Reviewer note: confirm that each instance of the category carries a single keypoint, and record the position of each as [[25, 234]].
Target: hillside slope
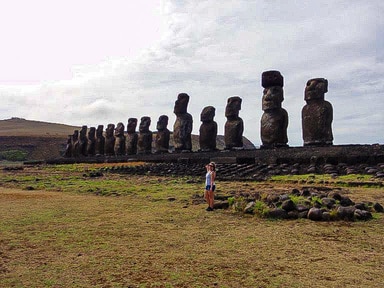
[[44, 140], [22, 127]]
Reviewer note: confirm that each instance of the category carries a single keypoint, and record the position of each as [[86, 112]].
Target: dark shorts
[[208, 187]]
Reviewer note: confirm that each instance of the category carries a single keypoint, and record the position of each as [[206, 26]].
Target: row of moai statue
[[317, 118]]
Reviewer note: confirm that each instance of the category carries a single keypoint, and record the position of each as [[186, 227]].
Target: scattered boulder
[[278, 213], [378, 207], [346, 212], [315, 214]]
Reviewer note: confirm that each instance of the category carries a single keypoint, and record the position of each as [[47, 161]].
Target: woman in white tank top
[[210, 185]]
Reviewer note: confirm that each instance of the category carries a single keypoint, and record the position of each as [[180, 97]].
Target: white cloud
[[117, 61]]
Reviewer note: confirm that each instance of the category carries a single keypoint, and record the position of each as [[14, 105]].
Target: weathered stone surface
[[100, 140], [208, 129], [288, 205], [362, 215], [132, 137], [272, 78], [234, 126], [162, 136], [119, 139], [278, 213], [68, 147], [317, 114], [183, 125], [75, 144], [83, 141], [346, 213], [144, 141], [315, 214], [378, 207], [91, 148], [328, 202], [110, 140], [274, 121]]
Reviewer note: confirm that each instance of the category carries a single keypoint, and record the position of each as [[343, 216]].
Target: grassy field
[[61, 228]]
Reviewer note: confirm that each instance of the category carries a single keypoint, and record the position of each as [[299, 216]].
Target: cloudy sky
[[91, 62]]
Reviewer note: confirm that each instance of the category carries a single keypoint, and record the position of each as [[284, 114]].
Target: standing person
[[210, 185]]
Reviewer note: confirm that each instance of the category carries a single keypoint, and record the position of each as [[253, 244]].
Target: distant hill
[[44, 140], [21, 127]]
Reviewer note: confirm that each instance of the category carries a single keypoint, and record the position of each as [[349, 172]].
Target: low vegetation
[[70, 226], [13, 155]]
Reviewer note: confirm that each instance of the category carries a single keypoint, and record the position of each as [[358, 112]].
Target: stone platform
[[348, 154]]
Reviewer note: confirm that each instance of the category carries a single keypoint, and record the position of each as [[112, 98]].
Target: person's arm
[[213, 175]]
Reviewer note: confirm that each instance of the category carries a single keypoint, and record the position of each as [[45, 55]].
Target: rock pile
[[317, 204], [250, 171]]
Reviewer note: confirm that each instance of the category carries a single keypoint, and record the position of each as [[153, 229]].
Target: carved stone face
[[132, 124], [144, 124], [315, 89], [162, 123], [91, 133], [272, 98], [99, 131], [181, 104], [75, 135], [110, 129], [207, 114], [233, 107], [119, 131], [83, 132]]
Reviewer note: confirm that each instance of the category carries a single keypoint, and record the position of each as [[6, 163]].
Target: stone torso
[[233, 133], [182, 130], [207, 136], [274, 128], [131, 143], [317, 119]]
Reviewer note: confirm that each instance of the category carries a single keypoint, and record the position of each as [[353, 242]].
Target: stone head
[[181, 104], [162, 123], [144, 124], [132, 124], [110, 129], [83, 132], [91, 133], [119, 130], [272, 98], [315, 89], [207, 114], [99, 131], [75, 135], [233, 107]]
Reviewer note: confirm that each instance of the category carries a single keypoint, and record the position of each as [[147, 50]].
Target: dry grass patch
[[142, 239]]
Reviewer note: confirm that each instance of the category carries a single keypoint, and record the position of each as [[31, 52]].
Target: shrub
[[13, 155]]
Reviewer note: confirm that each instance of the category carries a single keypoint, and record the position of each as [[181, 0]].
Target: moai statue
[[163, 135], [274, 122], [100, 141], [131, 139], [75, 144], [83, 141], [182, 127], [208, 129], [234, 126], [120, 139], [110, 140], [144, 141], [68, 147], [317, 114], [91, 148]]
